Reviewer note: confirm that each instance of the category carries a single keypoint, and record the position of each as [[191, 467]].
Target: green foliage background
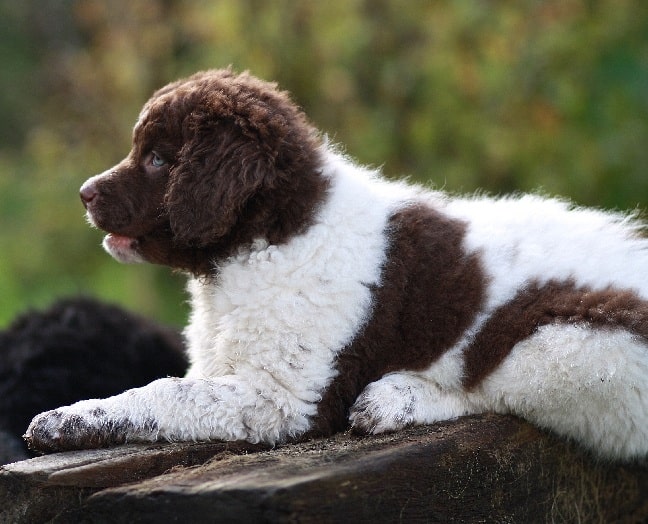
[[498, 95]]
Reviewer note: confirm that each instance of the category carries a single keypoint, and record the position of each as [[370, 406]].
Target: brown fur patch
[[430, 293], [539, 305]]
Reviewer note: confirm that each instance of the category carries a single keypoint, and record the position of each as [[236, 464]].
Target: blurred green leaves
[[498, 95]]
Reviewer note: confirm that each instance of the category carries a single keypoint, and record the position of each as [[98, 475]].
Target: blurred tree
[[498, 95]]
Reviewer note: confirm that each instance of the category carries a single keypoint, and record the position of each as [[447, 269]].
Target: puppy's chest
[[284, 310]]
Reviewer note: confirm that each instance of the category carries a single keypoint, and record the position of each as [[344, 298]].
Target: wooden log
[[477, 469]]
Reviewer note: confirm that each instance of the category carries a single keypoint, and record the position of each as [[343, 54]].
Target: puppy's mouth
[[122, 248]]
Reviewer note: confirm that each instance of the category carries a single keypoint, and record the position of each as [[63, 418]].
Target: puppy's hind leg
[[404, 399], [587, 384]]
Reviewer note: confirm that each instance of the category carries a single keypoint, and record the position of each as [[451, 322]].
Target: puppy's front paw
[[66, 429]]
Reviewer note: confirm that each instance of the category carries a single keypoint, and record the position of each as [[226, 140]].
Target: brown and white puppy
[[323, 295]]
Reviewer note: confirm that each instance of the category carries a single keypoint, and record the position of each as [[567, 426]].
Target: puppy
[[325, 296]]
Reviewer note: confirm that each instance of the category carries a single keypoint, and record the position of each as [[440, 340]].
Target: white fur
[[590, 385], [264, 334]]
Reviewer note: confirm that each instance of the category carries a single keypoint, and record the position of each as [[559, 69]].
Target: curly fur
[[323, 295], [76, 349]]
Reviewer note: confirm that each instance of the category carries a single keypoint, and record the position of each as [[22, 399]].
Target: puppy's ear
[[217, 171]]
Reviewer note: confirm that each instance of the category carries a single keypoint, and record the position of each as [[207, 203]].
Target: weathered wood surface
[[477, 469]]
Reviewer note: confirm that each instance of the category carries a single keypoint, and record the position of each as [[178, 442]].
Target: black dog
[[77, 349]]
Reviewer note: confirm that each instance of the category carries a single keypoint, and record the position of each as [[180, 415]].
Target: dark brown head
[[218, 160]]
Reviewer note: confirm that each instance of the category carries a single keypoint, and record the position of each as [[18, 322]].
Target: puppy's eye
[[157, 160]]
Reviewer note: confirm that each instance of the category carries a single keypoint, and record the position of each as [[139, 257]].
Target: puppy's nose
[[88, 193]]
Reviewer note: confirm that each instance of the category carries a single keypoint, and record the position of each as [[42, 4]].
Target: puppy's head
[[218, 160]]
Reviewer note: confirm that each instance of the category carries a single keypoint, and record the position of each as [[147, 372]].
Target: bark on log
[[476, 469]]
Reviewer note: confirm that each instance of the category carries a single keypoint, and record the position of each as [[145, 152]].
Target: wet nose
[[88, 193]]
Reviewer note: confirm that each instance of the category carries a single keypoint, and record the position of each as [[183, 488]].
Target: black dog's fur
[[77, 349]]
